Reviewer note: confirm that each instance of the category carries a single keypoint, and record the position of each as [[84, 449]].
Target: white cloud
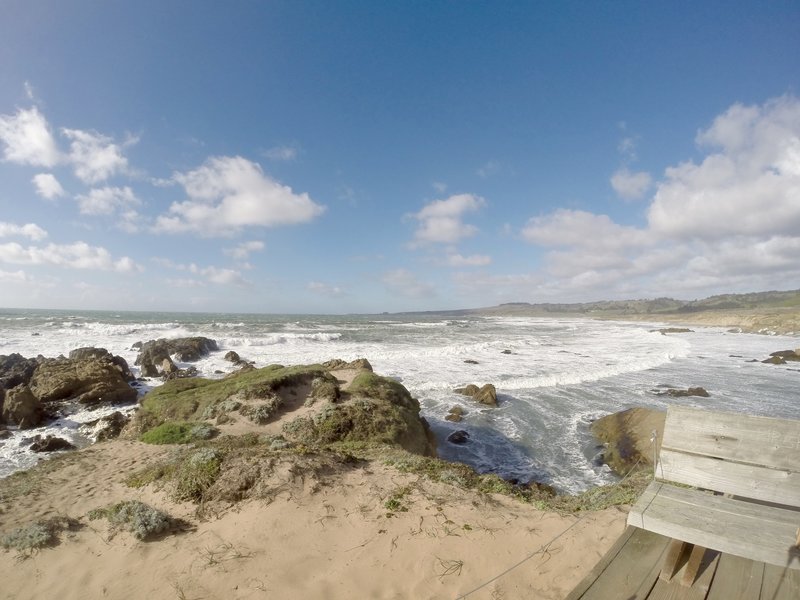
[[566, 227], [242, 251], [79, 255], [227, 194], [404, 283], [730, 222], [475, 260], [631, 185], [29, 230], [325, 289], [27, 139], [107, 201], [441, 221], [285, 153], [751, 186], [95, 156], [47, 186]]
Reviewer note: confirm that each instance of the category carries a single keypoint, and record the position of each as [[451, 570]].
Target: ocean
[[561, 373]]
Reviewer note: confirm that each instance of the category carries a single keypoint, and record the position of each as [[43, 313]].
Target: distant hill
[[655, 307]]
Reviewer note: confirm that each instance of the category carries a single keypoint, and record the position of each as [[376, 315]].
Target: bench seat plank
[[755, 531], [766, 441], [781, 486]]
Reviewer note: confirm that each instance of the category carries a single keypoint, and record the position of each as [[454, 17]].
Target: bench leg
[[673, 559], [693, 566]]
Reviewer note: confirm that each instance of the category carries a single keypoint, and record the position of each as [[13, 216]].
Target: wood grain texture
[[755, 531]]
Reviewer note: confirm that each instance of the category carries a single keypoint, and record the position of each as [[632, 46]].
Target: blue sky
[[337, 157]]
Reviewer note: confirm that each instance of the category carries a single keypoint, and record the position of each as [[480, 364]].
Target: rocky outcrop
[[338, 364], [50, 443], [16, 370], [667, 330], [677, 393], [232, 356], [626, 436], [22, 408], [87, 381], [458, 437], [781, 357], [155, 356], [109, 427], [91, 352], [485, 395], [455, 414]]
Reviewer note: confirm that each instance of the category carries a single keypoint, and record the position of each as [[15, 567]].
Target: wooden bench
[[744, 499]]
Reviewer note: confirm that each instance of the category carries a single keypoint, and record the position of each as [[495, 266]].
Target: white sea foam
[[560, 373]]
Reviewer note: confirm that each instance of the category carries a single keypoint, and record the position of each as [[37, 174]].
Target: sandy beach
[[317, 538], [321, 525]]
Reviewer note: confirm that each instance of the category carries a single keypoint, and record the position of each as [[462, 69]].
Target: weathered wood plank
[[675, 590], [745, 529], [677, 554], [739, 479], [737, 578], [780, 583], [766, 441], [633, 572]]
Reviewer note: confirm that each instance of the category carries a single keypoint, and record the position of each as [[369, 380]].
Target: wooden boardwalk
[[630, 571]]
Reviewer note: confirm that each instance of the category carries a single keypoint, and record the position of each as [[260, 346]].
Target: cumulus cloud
[[94, 156], [79, 255], [749, 186], [631, 185], [441, 221], [566, 227], [730, 222], [29, 230], [326, 289], [27, 139], [227, 194], [243, 250], [47, 186], [112, 201], [404, 283]]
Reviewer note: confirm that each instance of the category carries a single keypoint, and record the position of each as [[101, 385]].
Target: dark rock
[[5, 434], [458, 437], [88, 352], [692, 391], [16, 370], [87, 381], [506, 352], [787, 355], [666, 330], [153, 353], [774, 360], [232, 356], [50, 444], [337, 363], [470, 361], [22, 408], [111, 426]]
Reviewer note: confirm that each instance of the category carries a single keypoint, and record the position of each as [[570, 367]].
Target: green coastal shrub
[[196, 474], [141, 519], [178, 433]]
